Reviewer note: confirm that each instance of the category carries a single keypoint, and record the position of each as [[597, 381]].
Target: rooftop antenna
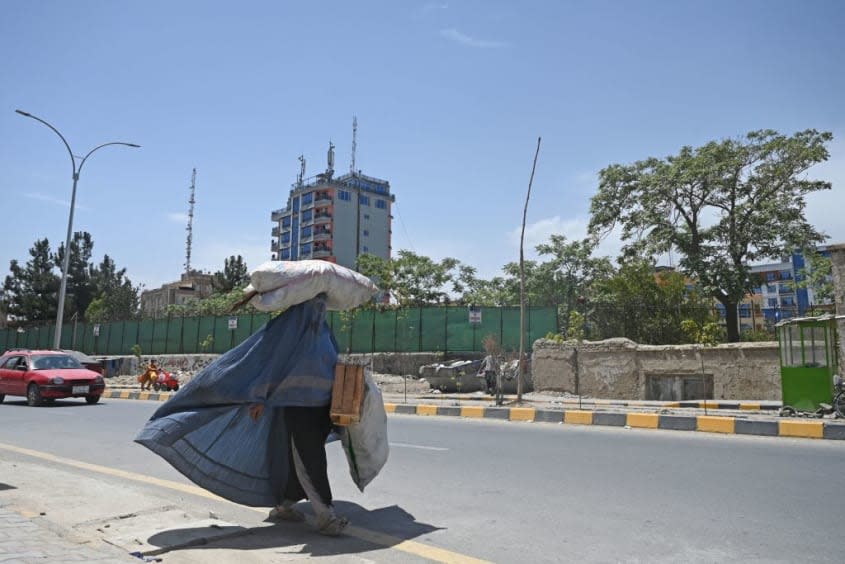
[[190, 228], [354, 143], [330, 169], [301, 178]]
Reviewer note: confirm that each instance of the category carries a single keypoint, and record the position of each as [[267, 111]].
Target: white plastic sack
[[282, 284], [365, 442]]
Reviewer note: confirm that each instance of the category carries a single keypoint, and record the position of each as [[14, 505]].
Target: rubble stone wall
[[619, 368]]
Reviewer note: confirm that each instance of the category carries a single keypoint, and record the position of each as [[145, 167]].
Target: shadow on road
[[368, 530]]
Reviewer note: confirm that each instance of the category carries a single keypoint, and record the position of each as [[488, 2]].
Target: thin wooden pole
[[522, 282]]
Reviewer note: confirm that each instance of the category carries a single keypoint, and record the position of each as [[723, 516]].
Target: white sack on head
[[282, 284]]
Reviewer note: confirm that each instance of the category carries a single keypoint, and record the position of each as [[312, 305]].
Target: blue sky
[[450, 99]]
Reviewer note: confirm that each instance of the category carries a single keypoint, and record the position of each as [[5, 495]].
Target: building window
[[785, 275], [343, 195], [366, 216], [773, 302], [770, 276], [307, 198], [286, 237], [306, 249], [381, 204], [285, 254], [306, 216], [306, 231], [366, 233], [365, 249], [286, 221], [363, 200]]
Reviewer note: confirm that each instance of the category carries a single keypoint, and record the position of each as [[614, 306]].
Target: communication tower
[[190, 228]]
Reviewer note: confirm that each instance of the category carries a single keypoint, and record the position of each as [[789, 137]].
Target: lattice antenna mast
[[190, 228], [354, 144]]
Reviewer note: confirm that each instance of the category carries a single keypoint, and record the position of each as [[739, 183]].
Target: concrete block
[[548, 416], [834, 431], [449, 410], [610, 419], [678, 422], [497, 413], [410, 409], [765, 428]]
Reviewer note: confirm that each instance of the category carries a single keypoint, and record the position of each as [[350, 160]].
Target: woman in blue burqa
[[251, 427]]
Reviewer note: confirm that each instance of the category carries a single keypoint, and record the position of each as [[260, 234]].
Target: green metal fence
[[442, 329]]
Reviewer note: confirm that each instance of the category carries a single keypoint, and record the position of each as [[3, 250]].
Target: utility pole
[[354, 144], [190, 228]]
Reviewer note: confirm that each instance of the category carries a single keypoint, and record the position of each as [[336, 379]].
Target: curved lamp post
[[76, 171]]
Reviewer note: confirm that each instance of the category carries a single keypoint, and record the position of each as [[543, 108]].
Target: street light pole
[[66, 259]]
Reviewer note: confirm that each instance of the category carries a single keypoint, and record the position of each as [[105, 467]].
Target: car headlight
[[58, 380], [99, 380]]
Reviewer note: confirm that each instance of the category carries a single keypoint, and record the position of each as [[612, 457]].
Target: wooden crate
[[347, 394]]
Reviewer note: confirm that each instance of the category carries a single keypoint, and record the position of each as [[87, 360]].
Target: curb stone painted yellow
[[749, 407], [390, 407], [472, 411], [715, 424], [124, 395], [578, 417], [426, 410], [644, 420], [522, 413], [805, 429]]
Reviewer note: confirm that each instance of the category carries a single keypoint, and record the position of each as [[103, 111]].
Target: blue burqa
[[205, 431]]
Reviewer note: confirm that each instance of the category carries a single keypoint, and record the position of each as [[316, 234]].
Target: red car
[[44, 376]]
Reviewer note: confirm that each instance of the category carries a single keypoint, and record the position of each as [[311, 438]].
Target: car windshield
[[53, 361]]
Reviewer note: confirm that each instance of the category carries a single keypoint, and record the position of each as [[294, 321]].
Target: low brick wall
[[622, 369]]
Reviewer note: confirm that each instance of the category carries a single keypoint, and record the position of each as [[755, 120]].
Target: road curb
[[791, 428]]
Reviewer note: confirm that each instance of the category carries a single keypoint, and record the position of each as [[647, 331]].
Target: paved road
[[457, 490]]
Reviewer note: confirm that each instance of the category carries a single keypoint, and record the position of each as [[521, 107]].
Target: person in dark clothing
[[308, 428]]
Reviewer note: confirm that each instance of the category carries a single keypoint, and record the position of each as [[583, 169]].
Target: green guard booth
[[809, 350]]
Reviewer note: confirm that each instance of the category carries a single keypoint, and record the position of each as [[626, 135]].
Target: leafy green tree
[[31, 291], [217, 304], [646, 306], [722, 206], [80, 289], [817, 276], [415, 280], [117, 298], [234, 275]]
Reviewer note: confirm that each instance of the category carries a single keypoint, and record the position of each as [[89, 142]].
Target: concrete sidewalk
[[23, 540], [727, 417]]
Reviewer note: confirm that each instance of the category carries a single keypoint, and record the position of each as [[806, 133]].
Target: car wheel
[[175, 388], [91, 400], [33, 396], [156, 387]]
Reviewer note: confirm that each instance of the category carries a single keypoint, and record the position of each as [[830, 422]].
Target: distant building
[[334, 219], [192, 285]]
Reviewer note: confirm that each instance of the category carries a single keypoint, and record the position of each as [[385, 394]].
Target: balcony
[[321, 253], [274, 246], [276, 215], [322, 235], [275, 231]]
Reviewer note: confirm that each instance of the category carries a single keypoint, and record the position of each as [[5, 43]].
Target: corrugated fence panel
[[433, 330], [190, 335]]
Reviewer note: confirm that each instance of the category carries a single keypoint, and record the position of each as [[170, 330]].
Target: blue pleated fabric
[[205, 430]]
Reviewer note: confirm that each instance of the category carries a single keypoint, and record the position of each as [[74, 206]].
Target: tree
[[816, 275], [234, 275], [80, 289], [646, 306], [415, 280], [116, 297], [722, 206], [31, 292], [217, 304]]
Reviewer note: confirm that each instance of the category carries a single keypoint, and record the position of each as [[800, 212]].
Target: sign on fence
[[96, 329], [475, 314], [233, 323]]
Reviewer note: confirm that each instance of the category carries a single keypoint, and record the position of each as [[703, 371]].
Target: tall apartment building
[[334, 219]]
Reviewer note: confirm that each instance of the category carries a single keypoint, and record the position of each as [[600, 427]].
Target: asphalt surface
[[454, 490]]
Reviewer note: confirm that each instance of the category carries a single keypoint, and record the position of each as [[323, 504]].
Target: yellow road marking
[[522, 413], [426, 410], [644, 420], [806, 429], [714, 424], [578, 417], [472, 411], [375, 537]]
